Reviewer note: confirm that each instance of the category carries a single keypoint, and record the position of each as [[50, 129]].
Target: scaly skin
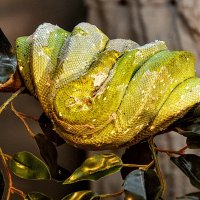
[[105, 94]]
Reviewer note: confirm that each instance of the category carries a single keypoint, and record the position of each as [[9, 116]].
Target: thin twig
[[13, 96], [8, 174], [7, 157], [133, 165], [11, 189], [158, 170], [24, 115], [182, 150], [170, 152], [143, 167], [19, 192], [147, 166], [111, 195], [30, 132]]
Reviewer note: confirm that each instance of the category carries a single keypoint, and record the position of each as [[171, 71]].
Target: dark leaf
[[48, 152], [189, 164], [136, 154], [96, 167], [26, 165], [134, 186], [7, 67], [188, 124], [193, 142], [196, 111], [62, 174], [47, 128], [37, 196], [2, 184], [190, 196], [152, 190], [192, 130], [142, 185], [8, 61], [5, 46], [82, 195]]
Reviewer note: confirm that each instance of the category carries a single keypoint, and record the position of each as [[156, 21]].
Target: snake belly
[[105, 94]]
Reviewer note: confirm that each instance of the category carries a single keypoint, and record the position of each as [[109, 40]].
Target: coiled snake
[[104, 94]]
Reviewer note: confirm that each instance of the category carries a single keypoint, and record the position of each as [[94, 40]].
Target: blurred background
[[175, 22]]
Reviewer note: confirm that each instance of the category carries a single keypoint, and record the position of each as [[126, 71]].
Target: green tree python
[[106, 94]]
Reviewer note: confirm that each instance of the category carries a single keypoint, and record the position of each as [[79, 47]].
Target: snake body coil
[[104, 94]]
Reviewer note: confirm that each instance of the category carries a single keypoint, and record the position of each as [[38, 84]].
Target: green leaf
[[47, 128], [134, 186], [190, 196], [152, 190], [96, 167], [36, 196], [82, 195], [49, 153], [2, 184], [26, 165], [189, 164], [139, 153]]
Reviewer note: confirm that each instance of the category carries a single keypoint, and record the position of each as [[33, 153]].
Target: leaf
[[5, 46], [37, 196], [134, 186], [49, 153], [26, 165], [189, 165], [82, 195], [190, 196], [2, 184], [8, 61], [96, 167], [136, 154], [47, 128], [193, 142], [138, 185], [190, 123], [152, 190], [61, 174]]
